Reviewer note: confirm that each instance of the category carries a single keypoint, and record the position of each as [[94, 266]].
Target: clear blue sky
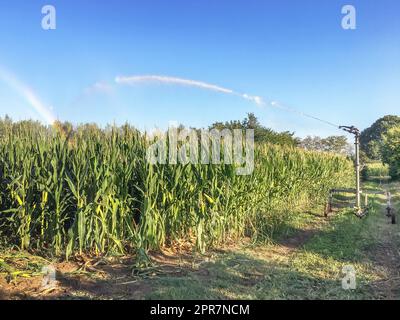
[[291, 51]]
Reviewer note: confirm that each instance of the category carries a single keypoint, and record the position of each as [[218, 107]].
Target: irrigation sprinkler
[[353, 130], [360, 210]]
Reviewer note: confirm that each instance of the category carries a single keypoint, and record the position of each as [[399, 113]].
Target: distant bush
[[375, 170]]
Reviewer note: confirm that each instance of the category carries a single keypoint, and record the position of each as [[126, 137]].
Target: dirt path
[[386, 255], [116, 279], [301, 237], [304, 265]]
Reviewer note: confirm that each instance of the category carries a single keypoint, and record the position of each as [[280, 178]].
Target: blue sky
[[291, 51]]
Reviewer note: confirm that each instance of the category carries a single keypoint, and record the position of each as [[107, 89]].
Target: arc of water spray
[[131, 80], [295, 111], [28, 95]]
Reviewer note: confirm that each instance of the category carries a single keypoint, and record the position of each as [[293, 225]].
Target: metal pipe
[[389, 199], [356, 132], [357, 165]]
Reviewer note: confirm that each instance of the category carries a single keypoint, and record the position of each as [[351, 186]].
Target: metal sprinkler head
[[351, 129]]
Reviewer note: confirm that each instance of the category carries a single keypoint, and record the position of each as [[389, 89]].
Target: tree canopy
[[261, 133], [371, 139], [335, 144], [391, 151]]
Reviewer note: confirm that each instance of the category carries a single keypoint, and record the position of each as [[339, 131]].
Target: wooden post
[[389, 199], [388, 204], [366, 199]]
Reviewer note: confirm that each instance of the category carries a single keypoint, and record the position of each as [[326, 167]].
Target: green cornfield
[[91, 190], [375, 170]]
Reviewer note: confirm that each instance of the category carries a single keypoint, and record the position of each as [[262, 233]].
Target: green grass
[[308, 268], [376, 170], [312, 271]]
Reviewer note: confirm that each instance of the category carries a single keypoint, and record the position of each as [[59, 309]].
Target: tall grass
[[92, 190], [375, 170]]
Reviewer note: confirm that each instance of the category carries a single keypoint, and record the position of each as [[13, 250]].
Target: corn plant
[[91, 190]]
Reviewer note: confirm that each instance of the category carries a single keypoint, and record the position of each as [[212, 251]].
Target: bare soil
[[117, 278]]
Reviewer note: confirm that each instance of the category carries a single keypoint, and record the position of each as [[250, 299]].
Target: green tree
[[391, 151], [261, 133], [337, 144], [334, 144], [372, 138]]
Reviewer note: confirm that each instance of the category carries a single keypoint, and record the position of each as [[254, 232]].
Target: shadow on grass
[[243, 274], [240, 276], [343, 240]]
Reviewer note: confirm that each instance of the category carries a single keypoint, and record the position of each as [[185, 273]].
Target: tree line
[[381, 142], [378, 143]]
